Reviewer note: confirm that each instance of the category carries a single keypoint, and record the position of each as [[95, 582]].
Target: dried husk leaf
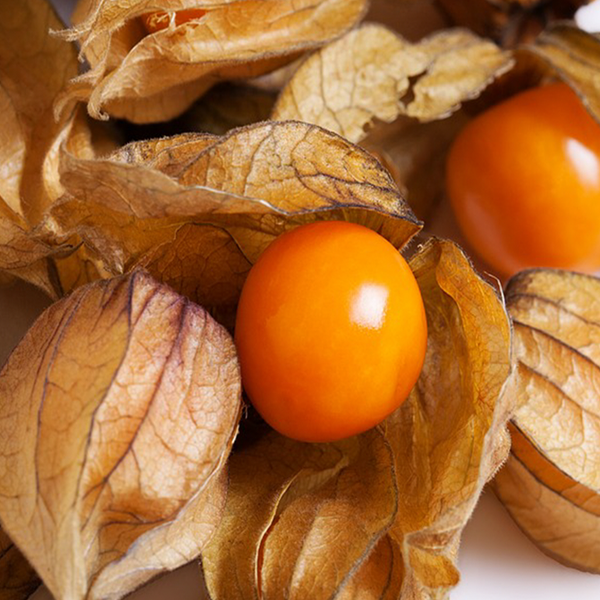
[[18, 580], [450, 437], [374, 75], [318, 540], [297, 512], [117, 412], [303, 517], [75, 265], [148, 78], [30, 77], [462, 66], [177, 150], [551, 485], [549, 519], [379, 577], [23, 256], [202, 226], [34, 68]]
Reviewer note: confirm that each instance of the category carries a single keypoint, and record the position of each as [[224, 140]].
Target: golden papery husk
[[551, 482], [154, 77], [117, 413]]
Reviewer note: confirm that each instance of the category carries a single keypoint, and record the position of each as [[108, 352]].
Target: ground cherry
[[155, 21], [524, 181], [331, 331]]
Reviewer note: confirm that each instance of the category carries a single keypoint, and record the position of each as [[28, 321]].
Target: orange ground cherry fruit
[[155, 21], [331, 331], [524, 181]]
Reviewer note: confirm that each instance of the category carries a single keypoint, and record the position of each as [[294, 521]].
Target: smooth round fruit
[[331, 331], [155, 21], [524, 181]]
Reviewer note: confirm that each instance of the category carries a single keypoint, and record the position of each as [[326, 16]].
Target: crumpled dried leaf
[[450, 438], [70, 263], [30, 78], [34, 68], [167, 154], [373, 75], [18, 580], [147, 78], [201, 228], [117, 412], [306, 520], [301, 517], [380, 575], [551, 484], [22, 255]]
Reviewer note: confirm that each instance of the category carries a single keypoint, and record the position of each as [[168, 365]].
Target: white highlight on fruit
[[369, 306], [584, 162]]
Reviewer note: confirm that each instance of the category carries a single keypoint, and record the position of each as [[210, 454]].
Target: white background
[[497, 561]]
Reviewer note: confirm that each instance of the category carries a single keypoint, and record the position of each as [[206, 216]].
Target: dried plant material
[[30, 78], [450, 438], [117, 412], [548, 518], [18, 580], [379, 515], [380, 576], [574, 56], [177, 149], [232, 197], [374, 74], [462, 66], [155, 77], [551, 485], [303, 517], [22, 255], [34, 68], [78, 267]]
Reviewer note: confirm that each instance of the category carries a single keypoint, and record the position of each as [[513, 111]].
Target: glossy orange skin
[[331, 331], [524, 181], [155, 21]]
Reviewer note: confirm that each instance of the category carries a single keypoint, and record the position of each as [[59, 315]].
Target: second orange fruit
[[524, 181]]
